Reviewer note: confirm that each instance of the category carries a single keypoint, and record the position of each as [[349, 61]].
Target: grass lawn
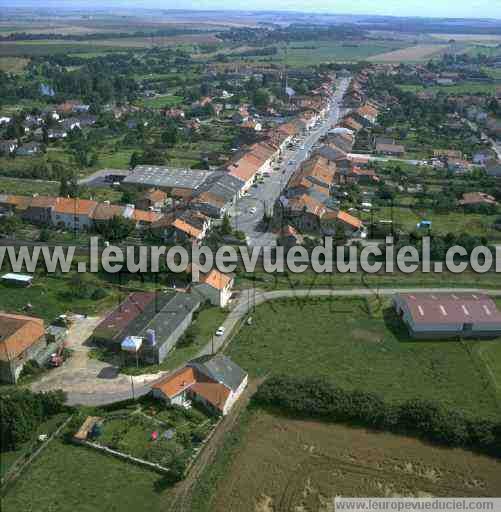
[[49, 297], [67, 478], [360, 345]]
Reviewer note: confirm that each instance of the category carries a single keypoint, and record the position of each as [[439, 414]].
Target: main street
[[247, 213]]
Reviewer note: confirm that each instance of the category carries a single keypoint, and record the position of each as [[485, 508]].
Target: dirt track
[[181, 492]]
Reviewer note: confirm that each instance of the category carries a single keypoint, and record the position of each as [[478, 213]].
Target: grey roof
[[172, 314], [167, 177], [222, 184], [494, 169], [329, 152], [221, 369]]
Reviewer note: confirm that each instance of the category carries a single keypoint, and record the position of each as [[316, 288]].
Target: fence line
[[14, 473]]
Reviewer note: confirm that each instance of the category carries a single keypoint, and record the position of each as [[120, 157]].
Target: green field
[[309, 53], [454, 222], [160, 101], [461, 88], [68, 478], [361, 345], [28, 187], [49, 298]]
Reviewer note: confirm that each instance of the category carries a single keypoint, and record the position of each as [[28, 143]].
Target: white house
[[216, 287], [214, 381]]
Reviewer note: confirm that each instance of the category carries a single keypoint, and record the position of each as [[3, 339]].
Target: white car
[[252, 210], [220, 331]]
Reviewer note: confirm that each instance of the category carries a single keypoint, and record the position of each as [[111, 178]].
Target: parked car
[[220, 331]]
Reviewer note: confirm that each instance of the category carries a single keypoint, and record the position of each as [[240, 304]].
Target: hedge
[[431, 421]]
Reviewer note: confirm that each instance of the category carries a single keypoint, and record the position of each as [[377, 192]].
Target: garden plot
[[157, 435]]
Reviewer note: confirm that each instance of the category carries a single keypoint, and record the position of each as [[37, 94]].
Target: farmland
[[416, 53], [282, 464], [314, 52], [365, 347]]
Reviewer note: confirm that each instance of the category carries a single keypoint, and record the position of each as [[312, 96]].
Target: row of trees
[[319, 398]]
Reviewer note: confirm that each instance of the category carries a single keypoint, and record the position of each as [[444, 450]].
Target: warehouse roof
[[166, 177], [447, 308]]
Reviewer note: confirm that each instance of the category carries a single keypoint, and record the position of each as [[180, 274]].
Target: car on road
[[220, 331], [302, 147], [292, 162], [252, 210]]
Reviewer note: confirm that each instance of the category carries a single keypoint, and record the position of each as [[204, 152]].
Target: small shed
[[86, 428], [19, 279]]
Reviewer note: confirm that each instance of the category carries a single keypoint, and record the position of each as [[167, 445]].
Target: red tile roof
[[18, 333]]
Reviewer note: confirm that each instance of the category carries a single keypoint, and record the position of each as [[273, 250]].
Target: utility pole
[[132, 387]]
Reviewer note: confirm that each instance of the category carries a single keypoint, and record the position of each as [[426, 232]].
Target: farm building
[[22, 339], [448, 315], [215, 381], [157, 319], [114, 327], [166, 178]]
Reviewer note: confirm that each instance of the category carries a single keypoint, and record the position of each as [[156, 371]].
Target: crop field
[[468, 38], [53, 47], [314, 52], [13, 64], [360, 344], [416, 53], [281, 464]]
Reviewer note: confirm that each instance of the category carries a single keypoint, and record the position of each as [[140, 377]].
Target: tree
[[9, 225], [170, 135], [116, 229], [261, 98], [226, 228]]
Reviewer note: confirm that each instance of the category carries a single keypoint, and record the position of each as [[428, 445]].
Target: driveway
[[89, 381]]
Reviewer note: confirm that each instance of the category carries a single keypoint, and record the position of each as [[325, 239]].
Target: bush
[[431, 421], [99, 293], [30, 369]]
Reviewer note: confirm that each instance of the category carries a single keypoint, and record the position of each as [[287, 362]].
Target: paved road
[[91, 382], [263, 196]]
